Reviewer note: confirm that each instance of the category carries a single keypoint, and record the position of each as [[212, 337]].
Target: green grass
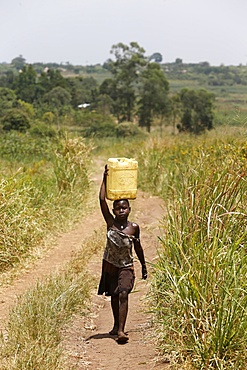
[[34, 330], [42, 195], [198, 294]]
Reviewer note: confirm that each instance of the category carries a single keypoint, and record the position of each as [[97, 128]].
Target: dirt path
[[87, 341]]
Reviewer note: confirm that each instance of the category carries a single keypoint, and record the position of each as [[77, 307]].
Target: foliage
[[204, 73], [82, 90], [129, 129], [156, 57], [7, 78], [57, 99], [16, 147], [105, 127], [135, 78], [197, 111], [7, 100], [42, 194], [71, 164], [42, 129], [27, 108], [104, 104], [15, 114], [40, 315], [128, 61], [199, 289], [108, 88], [153, 95], [35, 324], [25, 84], [120, 81], [48, 118], [15, 119], [18, 62], [50, 79]]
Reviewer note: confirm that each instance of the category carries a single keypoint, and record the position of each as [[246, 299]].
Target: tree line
[[136, 91]]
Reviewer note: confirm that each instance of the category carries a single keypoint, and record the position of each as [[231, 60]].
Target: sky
[[82, 32]]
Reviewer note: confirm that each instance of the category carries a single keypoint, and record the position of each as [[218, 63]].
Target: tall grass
[[34, 330], [199, 289], [42, 196]]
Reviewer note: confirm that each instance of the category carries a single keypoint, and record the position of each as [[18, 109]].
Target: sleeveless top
[[118, 250]]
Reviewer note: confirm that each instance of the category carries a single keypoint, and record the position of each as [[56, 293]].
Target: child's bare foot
[[122, 337], [114, 331]]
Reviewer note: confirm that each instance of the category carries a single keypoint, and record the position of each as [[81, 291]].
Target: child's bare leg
[[115, 311], [123, 311]]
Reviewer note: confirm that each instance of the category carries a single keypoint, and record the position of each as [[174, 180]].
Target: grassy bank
[[198, 293], [34, 332], [199, 289], [43, 184]]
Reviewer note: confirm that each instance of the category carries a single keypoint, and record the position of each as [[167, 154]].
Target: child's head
[[120, 200], [121, 208]]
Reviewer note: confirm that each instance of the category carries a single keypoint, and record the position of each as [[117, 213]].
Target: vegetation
[[197, 111], [198, 294], [36, 323], [153, 96], [206, 74], [42, 185], [130, 87]]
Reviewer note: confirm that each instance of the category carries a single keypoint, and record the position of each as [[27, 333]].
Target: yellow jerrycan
[[121, 181]]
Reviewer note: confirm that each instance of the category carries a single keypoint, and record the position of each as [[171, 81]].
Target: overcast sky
[[83, 31]]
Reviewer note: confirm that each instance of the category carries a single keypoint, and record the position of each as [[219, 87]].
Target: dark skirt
[[115, 280]]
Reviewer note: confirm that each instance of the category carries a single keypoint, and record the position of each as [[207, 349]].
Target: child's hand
[[144, 272], [105, 172]]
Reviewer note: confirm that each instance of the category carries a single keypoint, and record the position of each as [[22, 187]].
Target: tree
[[197, 111], [18, 62], [56, 79], [7, 79], [153, 95], [57, 99], [104, 104], [125, 69], [25, 84], [16, 119], [82, 90], [27, 108], [156, 57], [7, 100], [109, 88], [50, 79], [175, 110]]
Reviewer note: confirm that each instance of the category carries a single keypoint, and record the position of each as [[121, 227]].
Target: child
[[117, 279]]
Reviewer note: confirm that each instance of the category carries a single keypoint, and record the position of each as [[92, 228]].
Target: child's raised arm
[[103, 204]]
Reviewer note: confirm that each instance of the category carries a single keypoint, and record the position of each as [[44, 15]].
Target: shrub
[[129, 129], [16, 119], [102, 128], [41, 129]]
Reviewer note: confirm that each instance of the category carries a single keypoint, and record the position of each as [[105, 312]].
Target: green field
[[198, 292]]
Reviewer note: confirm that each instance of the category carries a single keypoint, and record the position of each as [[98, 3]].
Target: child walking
[[117, 279]]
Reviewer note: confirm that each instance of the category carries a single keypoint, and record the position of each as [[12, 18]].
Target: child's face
[[121, 210]]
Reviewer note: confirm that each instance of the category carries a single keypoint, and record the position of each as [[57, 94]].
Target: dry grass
[[34, 329]]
